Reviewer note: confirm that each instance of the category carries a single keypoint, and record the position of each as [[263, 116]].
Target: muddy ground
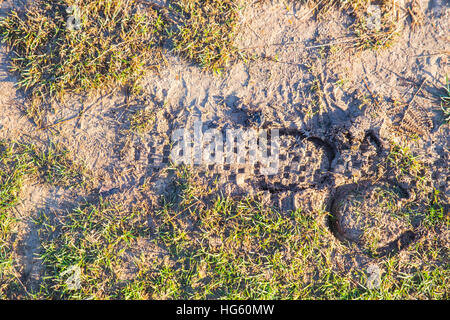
[[339, 108]]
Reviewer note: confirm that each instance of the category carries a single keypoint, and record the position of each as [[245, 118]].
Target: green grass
[[428, 204], [92, 238], [142, 121], [115, 45], [208, 32], [238, 250], [402, 162], [21, 163], [117, 42], [57, 167], [435, 214], [202, 246], [15, 165]]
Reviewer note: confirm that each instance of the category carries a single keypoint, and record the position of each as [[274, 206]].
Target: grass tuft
[[15, 165], [208, 32], [376, 23], [21, 162], [115, 42], [92, 239]]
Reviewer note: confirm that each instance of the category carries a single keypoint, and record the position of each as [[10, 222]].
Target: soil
[[368, 98]]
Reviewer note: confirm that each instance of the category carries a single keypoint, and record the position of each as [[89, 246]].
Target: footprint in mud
[[372, 215], [300, 163], [304, 162]]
